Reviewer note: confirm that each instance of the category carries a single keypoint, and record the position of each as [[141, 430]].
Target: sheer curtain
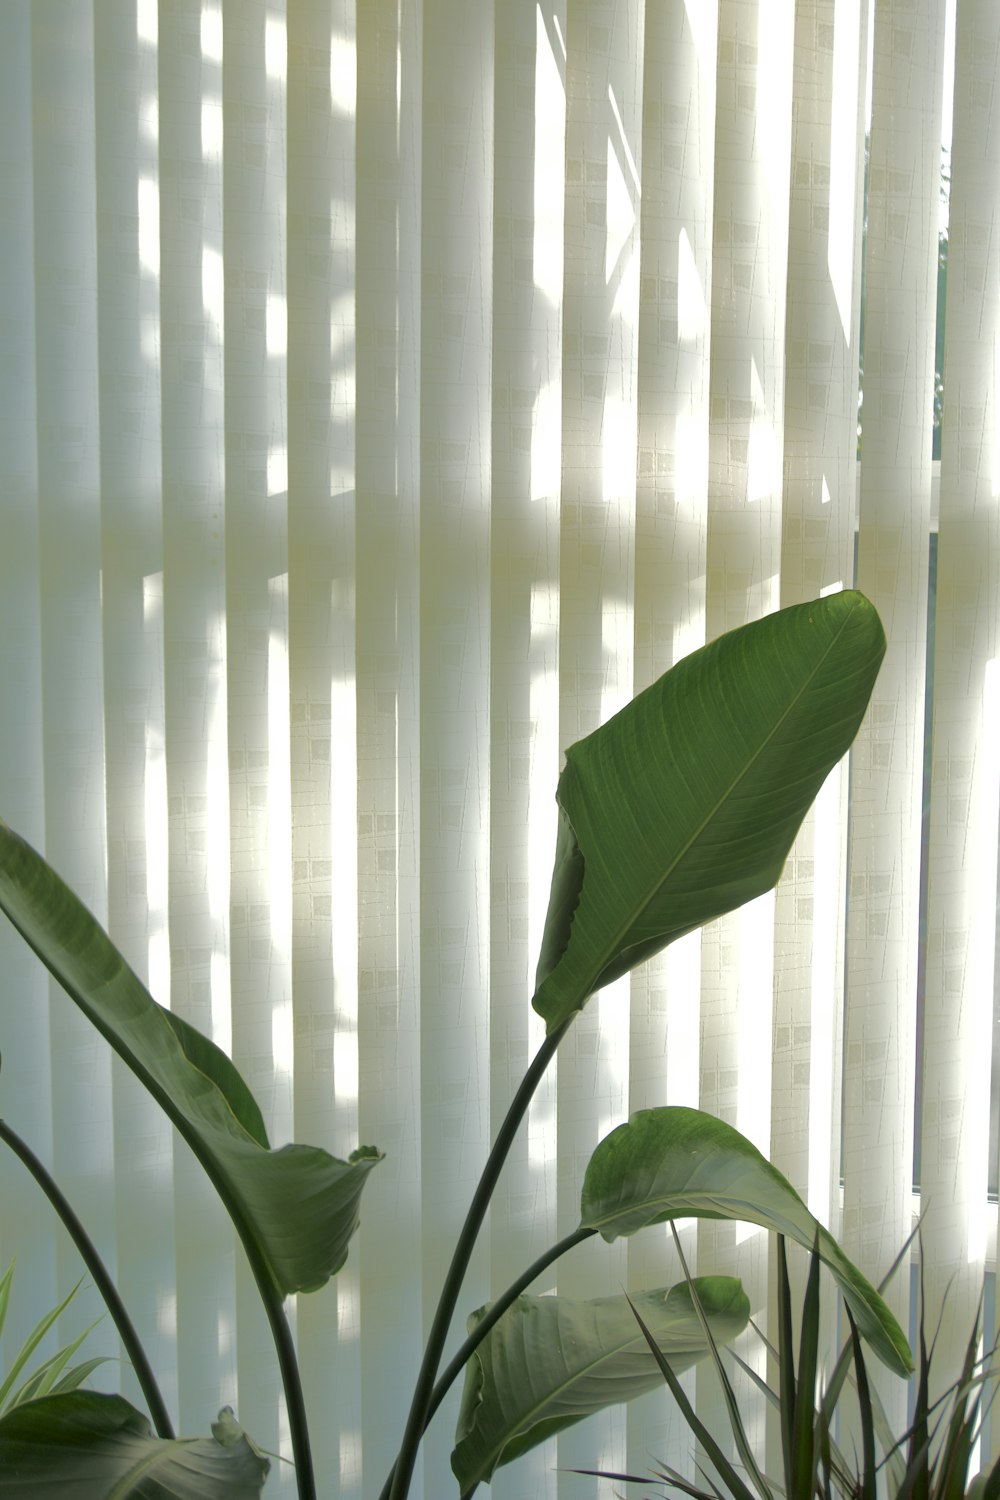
[[389, 391]]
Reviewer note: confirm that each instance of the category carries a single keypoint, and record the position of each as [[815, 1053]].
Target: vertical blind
[[389, 391]]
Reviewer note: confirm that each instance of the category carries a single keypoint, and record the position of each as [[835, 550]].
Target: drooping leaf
[[685, 804], [550, 1361], [298, 1206], [84, 1444], [675, 1163]]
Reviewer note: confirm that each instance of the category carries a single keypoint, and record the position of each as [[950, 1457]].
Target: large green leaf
[[86, 1445], [297, 1207], [551, 1361], [675, 1163], [685, 804]]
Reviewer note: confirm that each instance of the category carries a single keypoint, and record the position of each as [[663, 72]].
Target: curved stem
[[424, 1388], [497, 1310], [102, 1280], [291, 1380], [493, 1315]]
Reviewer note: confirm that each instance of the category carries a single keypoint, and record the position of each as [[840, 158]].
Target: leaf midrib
[[616, 941], [527, 1421], [143, 1467], [691, 1203]]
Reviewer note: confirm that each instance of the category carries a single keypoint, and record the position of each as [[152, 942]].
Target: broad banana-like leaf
[[297, 1207], [675, 1163], [85, 1444], [551, 1361], [685, 804]]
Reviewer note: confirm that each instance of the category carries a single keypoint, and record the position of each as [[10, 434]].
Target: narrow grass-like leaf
[[43, 1379], [32, 1342], [867, 1491], [786, 1369], [5, 1285], [802, 1477], [953, 1463], [831, 1394], [685, 804], [729, 1395], [737, 1487], [986, 1486], [919, 1441], [74, 1378], [295, 1208]]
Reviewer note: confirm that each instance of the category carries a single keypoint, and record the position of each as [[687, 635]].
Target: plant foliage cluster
[[679, 809]]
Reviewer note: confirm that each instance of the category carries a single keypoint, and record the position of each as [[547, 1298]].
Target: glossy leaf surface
[[675, 1163], [298, 1206], [551, 1361], [685, 804]]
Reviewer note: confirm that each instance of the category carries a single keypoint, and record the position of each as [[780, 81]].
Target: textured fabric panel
[[389, 392]]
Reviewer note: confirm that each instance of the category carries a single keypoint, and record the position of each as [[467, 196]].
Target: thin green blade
[[786, 1369], [726, 1472], [804, 1448], [298, 1206], [84, 1444], [685, 804], [674, 1163], [551, 1361], [867, 1491], [43, 1379], [32, 1342]]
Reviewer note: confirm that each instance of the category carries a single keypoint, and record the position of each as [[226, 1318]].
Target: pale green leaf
[[44, 1377], [5, 1284], [551, 1361], [32, 1342]]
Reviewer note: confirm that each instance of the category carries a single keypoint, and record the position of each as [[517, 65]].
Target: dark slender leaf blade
[[729, 1395], [804, 1454], [867, 1424], [986, 1485], [685, 804], [773, 1400], [786, 1370], [727, 1472], [551, 1361], [85, 1444], [297, 1206], [831, 1394], [957, 1448], [674, 1163], [919, 1433]]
